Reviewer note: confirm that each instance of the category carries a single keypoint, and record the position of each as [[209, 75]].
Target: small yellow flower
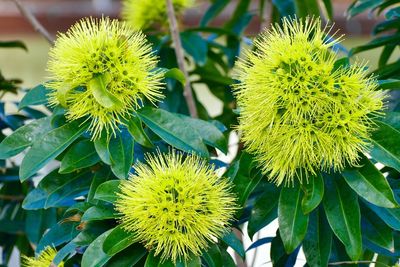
[[298, 113], [102, 70], [45, 259], [142, 14], [175, 205]]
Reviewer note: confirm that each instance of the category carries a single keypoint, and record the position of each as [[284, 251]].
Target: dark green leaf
[[128, 257], [380, 41], [97, 213], [176, 74], [117, 240], [49, 147], [212, 256], [210, 134], [172, 130], [386, 145], [135, 128], [306, 8], [313, 193], [80, 155], [60, 233], [35, 96], [120, 148], [94, 255], [390, 84], [361, 6], [292, 221], [108, 191], [343, 213], [195, 46], [318, 240], [13, 44], [369, 183], [101, 146], [101, 176], [233, 241], [329, 8], [390, 216], [24, 137], [213, 11]]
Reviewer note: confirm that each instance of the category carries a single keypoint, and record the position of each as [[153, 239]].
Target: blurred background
[[59, 15]]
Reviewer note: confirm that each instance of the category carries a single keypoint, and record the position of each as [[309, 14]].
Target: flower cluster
[[45, 259], [175, 205], [102, 70], [142, 14], [299, 113]]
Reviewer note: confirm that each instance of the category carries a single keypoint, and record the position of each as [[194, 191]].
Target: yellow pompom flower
[[142, 14], [102, 70], [175, 205], [298, 113], [45, 259]]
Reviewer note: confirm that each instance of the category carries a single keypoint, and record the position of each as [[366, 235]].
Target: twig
[[355, 262], [34, 22], [173, 26]]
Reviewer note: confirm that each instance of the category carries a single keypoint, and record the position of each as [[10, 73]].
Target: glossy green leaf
[[313, 193], [370, 184], [101, 146], [135, 128], [98, 87], [376, 230], [233, 241], [38, 221], [176, 74], [120, 148], [343, 214], [262, 214], [117, 240], [23, 137], [155, 261], [108, 191], [212, 256], [128, 257], [318, 240], [101, 176], [173, 130], [97, 213], [80, 155], [386, 145], [49, 147], [60, 233], [35, 96], [94, 255], [390, 216], [292, 221], [210, 134], [390, 84]]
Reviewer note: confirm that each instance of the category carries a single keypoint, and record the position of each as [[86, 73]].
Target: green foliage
[[336, 216]]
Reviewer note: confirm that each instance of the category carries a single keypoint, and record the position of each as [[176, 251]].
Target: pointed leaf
[[117, 240], [292, 221], [135, 128], [101, 146], [80, 155], [121, 154], [108, 191], [313, 193], [94, 255], [35, 96], [98, 213]]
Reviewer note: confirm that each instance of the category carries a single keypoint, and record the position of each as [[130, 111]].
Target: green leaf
[[318, 241], [101, 146], [60, 233], [13, 44], [128, 257], [120, 148], [35, 96], [210, 134], [80, 155], [57, 190], [361, 6], [390, 216], [37, 222], [212, 256], [98, 87], [343, 214], [215, 8], [195, 46], [261, 214], [108, 191], [98, 213], [292, 221], [155, 261], [49, 147], [176, 74], [390, 84], [233, 241], [306, 8], [117, 240], [386, 145], [135, 128], [370, 184], [380, 41], [101, 176], [313, 193], [173, 130], [24, 137], [376, 230], [329, 8], [94, 255]]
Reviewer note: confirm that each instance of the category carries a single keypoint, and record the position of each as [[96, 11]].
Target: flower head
[[45, 259], [102, 70], [299, 113], [175, 205], [142, 14]]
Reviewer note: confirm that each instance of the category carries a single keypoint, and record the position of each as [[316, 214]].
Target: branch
[[173, 26], [34, 22]]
